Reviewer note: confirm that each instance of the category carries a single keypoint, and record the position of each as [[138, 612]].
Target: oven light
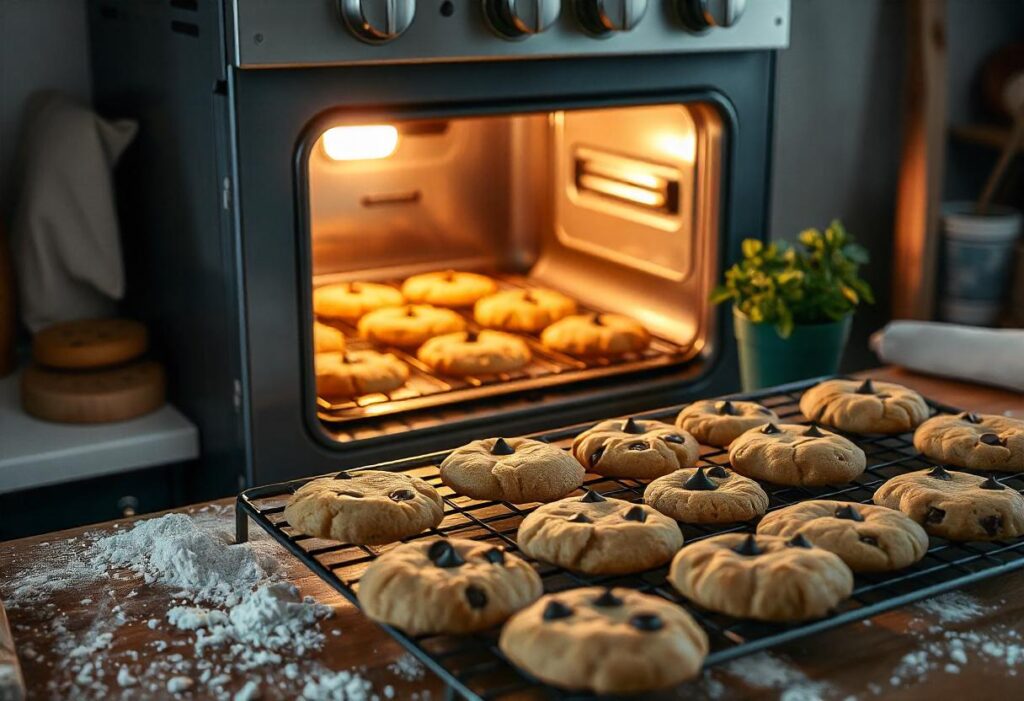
[[622, 191], [361, 143]]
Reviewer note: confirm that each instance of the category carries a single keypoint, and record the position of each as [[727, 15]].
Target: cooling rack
[[475, 667]]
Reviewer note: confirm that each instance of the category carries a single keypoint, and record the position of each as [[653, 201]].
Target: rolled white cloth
[[988, 356]]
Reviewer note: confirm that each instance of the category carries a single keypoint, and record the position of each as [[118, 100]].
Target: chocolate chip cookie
[[526, 311], [867, 538], [358, 372], [768, 578], [370, 507], [956, 505], [864, 407], [350, 300], [517, 470], [974, 441], [409, 326], [707, 495], [609, 641], [596, 335], [447, 585], [598, 535], [467, 353], [796, 455], [635, 449], [720, 422], [448, 288]]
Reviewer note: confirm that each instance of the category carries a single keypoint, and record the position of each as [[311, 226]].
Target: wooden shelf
[[991, 135]]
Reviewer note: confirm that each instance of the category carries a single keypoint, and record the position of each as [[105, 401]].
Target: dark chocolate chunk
[[496, 556], [443, 554], [934, 515], [991, 524], [718, 471], [345, 360], [596, 320], [647, 622], [580, 518], [673, 438], [699, 482], [813, 431], [350, 493], [990, 483], [528, 297], [726, 408], [848, 512], [631, 426], [476, 597], [769, 429], [970, 417], [991, 439], [638, 446], [402, 495], [940, 474], [501, 447], [410, 311], [748, 547], [866, 387], [635, 513], [555, 610], [343, 476], [607, 600], [591, 497], [798, 541], [472, 337], [596, 455]]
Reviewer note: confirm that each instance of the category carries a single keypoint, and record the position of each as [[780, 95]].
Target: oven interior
[[615, 207]]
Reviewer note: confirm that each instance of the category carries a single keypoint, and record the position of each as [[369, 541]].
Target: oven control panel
[[270, 33]]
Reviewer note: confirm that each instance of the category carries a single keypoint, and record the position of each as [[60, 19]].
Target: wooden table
[[855, 660]]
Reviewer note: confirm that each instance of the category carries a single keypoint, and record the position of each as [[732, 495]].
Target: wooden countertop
[[859, 660]]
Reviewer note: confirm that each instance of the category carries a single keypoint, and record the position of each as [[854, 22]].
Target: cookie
[[446, 585], [599, 535], [955, 505], [864, 407], [635, 449], [596, 335], [350, 300], [91, 343], [707, 495], [517, 470], [974, 441], [448, 288], [796, 455], [409, 326], [526, 311], [867, 538], [327, 339], [358, 372], [609, 641], [468, 353], [768, 578], [720, 422], [370, 507]]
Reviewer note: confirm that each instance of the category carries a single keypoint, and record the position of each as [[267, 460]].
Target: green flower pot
[[767, 359]]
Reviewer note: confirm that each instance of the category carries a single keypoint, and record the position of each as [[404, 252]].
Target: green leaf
[[857, 253], [720, 294]]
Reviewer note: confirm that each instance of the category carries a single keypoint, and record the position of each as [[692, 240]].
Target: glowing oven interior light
[[360, 143], [622, 191]]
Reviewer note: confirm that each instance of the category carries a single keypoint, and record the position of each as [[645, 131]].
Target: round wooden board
[[89, 343], [94, 396]]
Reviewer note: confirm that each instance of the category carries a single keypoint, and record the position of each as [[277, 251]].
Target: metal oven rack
[[474, 666]]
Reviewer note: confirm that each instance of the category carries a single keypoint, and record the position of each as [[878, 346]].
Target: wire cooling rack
[[475, 667]]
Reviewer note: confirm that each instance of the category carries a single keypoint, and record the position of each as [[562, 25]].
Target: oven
[[615, 152]]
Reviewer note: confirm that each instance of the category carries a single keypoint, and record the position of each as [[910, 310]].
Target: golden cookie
[[720, 422], [596, 335], [527, 311], [358, 372], [409, 326], [635, 449], [327, 339], [864, 407], [519, 470], [350, 300], [91, 343], [448, 288], [974, 441], [707, 495], [467, 353], [801, 456]]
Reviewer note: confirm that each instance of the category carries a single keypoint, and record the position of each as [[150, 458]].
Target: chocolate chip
[[813, 431], [940, 474], [638, 446], [990, 483], [748, 547], [402, 495], [495, 556], [443, 554], [798, 541], [343, 476], [607, 600], [579, 518], [970, 417], [449, 275], [635, 513], [345, 360], [647, 622], [592, 497], [673, 438], [528, 297], [866, 387], [501, 447], [555, 610], [848, 512], [410, 311], [718, 471], [471, 337], [350, 493], [476, 597], [596, 455], [631, 426], [595, 319], [699, 482], [725, 408], [934, 515], [769, 429], [991, 439], [991, 524]]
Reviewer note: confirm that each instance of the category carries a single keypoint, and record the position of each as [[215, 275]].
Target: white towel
[[65, 239], [988, 356]]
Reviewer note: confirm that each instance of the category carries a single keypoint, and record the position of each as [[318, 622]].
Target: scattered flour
[[408, 668], [766, 671], [952, 607]]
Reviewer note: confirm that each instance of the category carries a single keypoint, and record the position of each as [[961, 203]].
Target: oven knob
[[603, 16], [516, 19], [705, 14], [377, 21]]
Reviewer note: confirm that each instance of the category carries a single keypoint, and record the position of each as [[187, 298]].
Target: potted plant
[[792, 306]]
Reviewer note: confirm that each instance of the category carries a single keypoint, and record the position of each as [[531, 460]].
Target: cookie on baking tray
[[527, 311], [327, 339], [768, 578], [796, 455], [720, 422], [596, 335], [350, 300], [599, 535], [517, 470], [635, 449], [864, 407], [974, 441], [609, 641], [469, 353], [707, 495], [447, 585], [448, 288], [369, 507], [410, 325], [955, 505], [867, 538], [357, 372], [89, 343]]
